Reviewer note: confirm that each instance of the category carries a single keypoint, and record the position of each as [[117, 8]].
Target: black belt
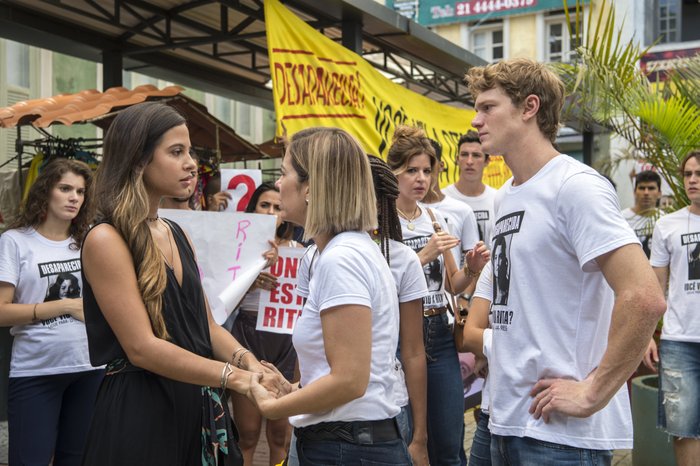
[[357, 432]]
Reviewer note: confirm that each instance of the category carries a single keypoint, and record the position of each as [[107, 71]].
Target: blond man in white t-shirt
[[582, 300]]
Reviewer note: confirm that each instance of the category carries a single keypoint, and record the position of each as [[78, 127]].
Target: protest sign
[[280, 308], [240, 184], [229, 249]]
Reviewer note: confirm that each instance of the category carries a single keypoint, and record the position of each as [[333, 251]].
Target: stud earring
[[307, 201]]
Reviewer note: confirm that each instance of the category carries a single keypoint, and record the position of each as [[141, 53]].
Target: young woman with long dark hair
[[52, 384], [163, 399]]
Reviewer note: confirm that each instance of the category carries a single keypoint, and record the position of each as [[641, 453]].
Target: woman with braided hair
[[411, 288], [412, 159]]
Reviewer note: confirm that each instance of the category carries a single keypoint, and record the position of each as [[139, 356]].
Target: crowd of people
[[117, 359]]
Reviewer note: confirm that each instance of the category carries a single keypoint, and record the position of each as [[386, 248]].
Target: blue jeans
[[292, 457], [526, 451], [481, 443], [49, 416], [679, 386], [445, 393], [337, 453], [405, 422]]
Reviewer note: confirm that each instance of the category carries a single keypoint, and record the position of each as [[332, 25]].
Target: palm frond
[[608, 89]]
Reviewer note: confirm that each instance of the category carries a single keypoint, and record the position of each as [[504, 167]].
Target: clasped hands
[[266, 386]]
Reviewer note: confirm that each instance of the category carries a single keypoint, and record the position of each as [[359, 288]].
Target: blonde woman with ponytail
[[163, 400]]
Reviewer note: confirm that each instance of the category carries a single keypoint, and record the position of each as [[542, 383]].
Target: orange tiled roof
[[68, 109], [100, 108]]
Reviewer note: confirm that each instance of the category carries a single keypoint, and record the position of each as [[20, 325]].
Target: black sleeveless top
[[144, 418], [183, 311]]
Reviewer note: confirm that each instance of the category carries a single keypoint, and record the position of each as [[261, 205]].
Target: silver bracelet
[[225, 373]]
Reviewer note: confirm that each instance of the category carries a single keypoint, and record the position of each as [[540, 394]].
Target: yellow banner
[[317, 82]]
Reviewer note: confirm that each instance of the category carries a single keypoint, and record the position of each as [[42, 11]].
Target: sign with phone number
[[480, 7]]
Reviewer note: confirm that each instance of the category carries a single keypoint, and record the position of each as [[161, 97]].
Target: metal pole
[[18, 148]]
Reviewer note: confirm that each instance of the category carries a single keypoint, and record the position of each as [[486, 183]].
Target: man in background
[[643, 215], [470, 188]]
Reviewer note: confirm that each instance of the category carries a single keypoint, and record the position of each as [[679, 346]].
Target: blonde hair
[[321, 156], [519, 78], [122, 199], [408, 142]]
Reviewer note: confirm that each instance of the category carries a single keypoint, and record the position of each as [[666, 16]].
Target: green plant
[[607, 88]]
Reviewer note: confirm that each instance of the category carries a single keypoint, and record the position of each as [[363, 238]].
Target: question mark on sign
[[249, 185]]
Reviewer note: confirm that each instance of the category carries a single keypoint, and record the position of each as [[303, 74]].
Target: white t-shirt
[[551, 304], [482, 205], [43, 270], [408, 278], [410, 284], [484, 290], [677, 245], [416, 239], [643, 226], [461, 222], [351, 270]]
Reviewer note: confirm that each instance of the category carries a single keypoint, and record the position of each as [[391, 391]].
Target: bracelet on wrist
[[233, 356], [34, 318], [468, 272], [240, 358], [225, 373]]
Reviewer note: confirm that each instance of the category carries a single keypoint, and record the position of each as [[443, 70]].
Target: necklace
[[410, 225], [172, 254], [152, 219]]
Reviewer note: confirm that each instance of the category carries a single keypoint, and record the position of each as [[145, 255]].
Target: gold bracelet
[[468, 272], [34, 319]]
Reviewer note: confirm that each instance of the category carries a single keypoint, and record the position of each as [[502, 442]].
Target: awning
[[219, 46], [100, 108]]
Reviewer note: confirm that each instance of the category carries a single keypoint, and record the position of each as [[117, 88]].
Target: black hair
[[386, 188], [647, 176], [285, 230]]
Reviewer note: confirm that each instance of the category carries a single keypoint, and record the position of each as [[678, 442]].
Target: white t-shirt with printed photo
[[44, 270], [552, 306], [351, 271], [643, 226], [482, 205], [677, 246], [461, 222], [416, 239]]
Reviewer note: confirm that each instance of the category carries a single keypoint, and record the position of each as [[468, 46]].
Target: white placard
[[229, 249], [280, 308], [240, 184]]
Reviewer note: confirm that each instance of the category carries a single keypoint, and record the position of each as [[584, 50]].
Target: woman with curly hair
[[52, 384], [412, 159]]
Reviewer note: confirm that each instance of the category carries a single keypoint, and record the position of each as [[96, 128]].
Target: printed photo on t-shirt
[[62, 282], [692, 243], [482, 217], [504, 230], [65, 285]]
